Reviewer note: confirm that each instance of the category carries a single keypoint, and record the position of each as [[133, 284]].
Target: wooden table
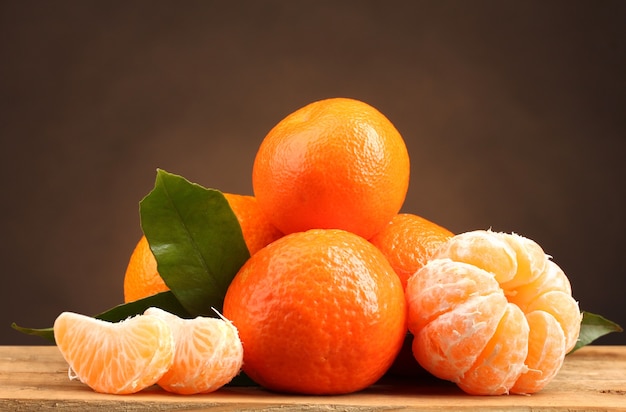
[[35, 378]]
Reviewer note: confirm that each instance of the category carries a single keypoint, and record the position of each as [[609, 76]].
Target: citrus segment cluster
[[318, 312], [184, 356], [336, 163], [491, 312]]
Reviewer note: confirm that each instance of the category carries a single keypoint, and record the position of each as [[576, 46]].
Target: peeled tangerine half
[[492, 313]]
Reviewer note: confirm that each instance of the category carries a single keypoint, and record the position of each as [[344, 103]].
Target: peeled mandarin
[[492, 313]]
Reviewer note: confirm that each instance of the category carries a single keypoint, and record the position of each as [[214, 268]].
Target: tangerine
[[256, 228], [408, 241], [491, 312], [318, 312], [142, 278], [334, 163]]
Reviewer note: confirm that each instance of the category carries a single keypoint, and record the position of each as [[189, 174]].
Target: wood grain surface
[[35, 378]]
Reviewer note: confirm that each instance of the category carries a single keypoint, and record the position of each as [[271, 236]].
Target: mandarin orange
[[408, 241], [491, 312], [334, 163], [142, 278], [318, 312], [256, 228]]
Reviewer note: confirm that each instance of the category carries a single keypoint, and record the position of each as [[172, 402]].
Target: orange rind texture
[[319, 312], [492, 313], [336, 163]]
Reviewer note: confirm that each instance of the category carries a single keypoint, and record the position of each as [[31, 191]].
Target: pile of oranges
[[336, 279]]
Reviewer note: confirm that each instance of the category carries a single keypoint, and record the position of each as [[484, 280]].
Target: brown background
[[513, 113]]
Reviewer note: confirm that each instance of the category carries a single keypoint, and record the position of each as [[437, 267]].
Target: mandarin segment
[[502, 361], [521, 353], [450, 344], [116, 358], [546, 352], [442, 286], [531, 259], [481, 249], [564, 309], [551, 279], [208, 353]]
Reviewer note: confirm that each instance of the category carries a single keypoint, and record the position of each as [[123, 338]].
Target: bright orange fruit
[[142, 278], [117, 358], [208, 353], [408, 242], [335, 163], [255, 226], [318, 312], [491, 312]]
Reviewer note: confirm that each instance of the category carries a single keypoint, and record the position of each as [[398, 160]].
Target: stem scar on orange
[[335, 163]]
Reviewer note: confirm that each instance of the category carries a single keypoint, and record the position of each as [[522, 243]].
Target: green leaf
[[46, 333], [164, 300], [196, 240], [593, 327]]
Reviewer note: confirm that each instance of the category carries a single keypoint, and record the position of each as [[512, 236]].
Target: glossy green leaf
[[164, 300], [593, 327], [196, 240]]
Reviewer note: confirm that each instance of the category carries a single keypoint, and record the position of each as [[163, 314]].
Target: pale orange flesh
[[116, 358], [208, 353], [492, 313]]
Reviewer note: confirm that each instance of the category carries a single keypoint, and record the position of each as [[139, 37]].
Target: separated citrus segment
[[318, 312], [208, 353], [334, 163], [117, 358], [408, 242], [492, 313]]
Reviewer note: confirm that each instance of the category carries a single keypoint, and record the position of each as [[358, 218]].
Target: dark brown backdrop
[[513, 113]]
